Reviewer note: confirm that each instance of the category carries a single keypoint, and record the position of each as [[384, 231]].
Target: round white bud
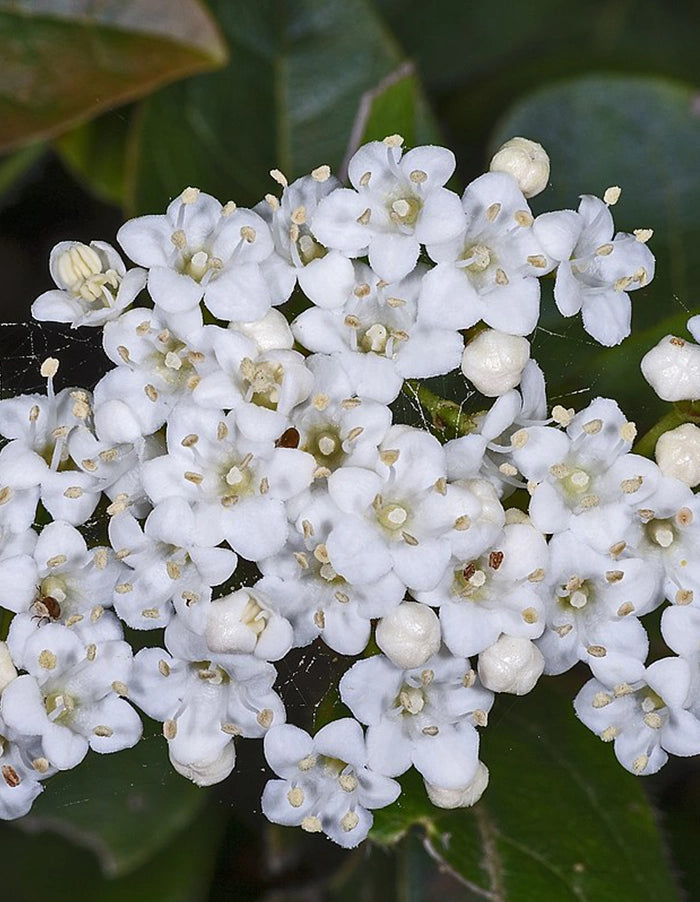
[[527, 161], [678, 454], [8, 672], [271, 333], [207, 773], [409, 635], [512, 664], [463, 797], [494, 361], [672, 368]]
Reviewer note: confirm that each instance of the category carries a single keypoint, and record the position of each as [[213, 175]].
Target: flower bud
[[527, 161], [206, 773], [8, 672], [271, 333], [234, 623], [512, 664], [678, 454], [672, 368], [409, 635], [494, 361], [463, 797]]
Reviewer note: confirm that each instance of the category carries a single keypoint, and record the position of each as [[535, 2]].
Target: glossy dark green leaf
[[560, 821], [64, 60], [287, 100], [95, 152], [678, 800], [14, 166], [124, 807], [453, 41], [396, 106], [40, 866]]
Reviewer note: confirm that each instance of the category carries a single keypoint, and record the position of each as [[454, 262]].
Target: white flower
[[168, 565], [21, 769], [204, 700], [584, 479], [326, 277], [36, 462], [337, 428], [487, 451], [490, 270], [398, 204], [316, 599], [157, 368], [93, 285], [666, 534], [596, 269], [527, 161], [425, 716], [237, 487], [512, 664], [261, 387], [379, 335], [60, 581], [326, 785], [593, 605], [68, 697], [201, 249], [403, 517], [115, 466], [499, 590], [647, 716]]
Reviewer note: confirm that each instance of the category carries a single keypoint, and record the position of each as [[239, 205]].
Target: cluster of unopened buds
[[226, 432]]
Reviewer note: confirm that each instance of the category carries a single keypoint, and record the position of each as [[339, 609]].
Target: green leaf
[[469, 41], [397, 105], [45, 866], [123, 807], [463, 39], [288, 100], [559, 822], [96, 154], [65, 60], [14, 165]]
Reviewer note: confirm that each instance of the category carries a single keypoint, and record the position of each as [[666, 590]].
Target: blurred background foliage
[[109, 108]]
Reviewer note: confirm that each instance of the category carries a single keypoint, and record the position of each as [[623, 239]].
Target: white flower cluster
[[223, 432]]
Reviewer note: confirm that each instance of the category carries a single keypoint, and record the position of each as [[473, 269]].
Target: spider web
[[25, 346]]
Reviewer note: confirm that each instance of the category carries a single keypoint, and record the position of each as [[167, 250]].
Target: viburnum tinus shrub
[[226, 435]]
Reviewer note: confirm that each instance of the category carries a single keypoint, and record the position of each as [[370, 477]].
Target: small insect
[[288, 439], [46, 609]]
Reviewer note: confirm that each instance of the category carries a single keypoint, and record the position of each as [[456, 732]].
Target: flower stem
[[681, 412], [445, 414]]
